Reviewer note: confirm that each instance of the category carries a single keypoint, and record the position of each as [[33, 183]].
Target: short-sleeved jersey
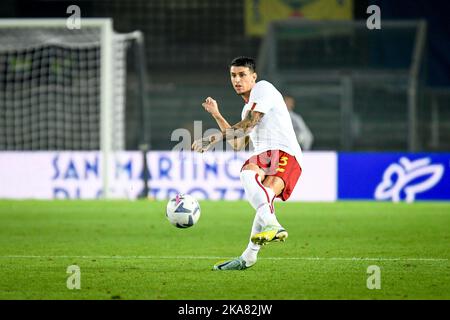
[[274, 131]]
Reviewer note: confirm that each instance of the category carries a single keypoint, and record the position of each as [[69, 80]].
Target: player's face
[[243, 79]]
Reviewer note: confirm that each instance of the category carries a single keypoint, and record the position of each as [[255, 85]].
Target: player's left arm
[[235, 132]]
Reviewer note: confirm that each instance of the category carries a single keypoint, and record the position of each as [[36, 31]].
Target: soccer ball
[[183, 211]]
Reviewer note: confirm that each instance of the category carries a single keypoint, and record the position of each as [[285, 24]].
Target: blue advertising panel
[[394, 176]]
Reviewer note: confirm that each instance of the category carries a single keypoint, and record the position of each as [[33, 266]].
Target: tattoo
[[242, 128], [251, 120]]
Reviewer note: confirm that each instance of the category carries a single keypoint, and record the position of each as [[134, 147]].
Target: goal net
[[62, 89]]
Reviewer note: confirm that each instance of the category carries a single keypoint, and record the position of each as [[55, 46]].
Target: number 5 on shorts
[[283, 162]]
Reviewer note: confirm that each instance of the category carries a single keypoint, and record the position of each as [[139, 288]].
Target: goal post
[[64, 89], [106, 47]]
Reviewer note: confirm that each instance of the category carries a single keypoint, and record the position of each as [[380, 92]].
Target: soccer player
[[275, 165]]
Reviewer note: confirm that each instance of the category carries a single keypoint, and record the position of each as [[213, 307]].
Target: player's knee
[[255, 169], [275, 183], [252, 186]]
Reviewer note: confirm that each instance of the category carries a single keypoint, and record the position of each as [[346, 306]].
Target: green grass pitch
[[128, 250]]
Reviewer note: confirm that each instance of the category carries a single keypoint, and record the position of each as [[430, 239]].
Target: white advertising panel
[[214, 176]]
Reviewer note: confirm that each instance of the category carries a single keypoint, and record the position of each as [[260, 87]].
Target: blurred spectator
[[304, 135]]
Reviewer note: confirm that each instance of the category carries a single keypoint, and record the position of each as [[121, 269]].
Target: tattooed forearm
[[238, 133], [242, 128]]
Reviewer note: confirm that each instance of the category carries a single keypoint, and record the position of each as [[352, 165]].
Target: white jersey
[[275, 130]]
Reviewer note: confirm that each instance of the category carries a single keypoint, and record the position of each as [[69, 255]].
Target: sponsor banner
[[48, 175], [259, 13], [394, 176], [318, 181], [215, 176]]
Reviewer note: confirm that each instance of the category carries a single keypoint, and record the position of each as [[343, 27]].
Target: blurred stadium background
[[357, 89], [376, 101], [379, 91]]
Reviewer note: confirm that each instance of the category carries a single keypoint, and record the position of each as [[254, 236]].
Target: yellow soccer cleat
[[270, 234]]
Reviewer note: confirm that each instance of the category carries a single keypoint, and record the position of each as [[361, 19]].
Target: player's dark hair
[[244, 62]]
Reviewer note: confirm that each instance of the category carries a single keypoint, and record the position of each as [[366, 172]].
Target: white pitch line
[[215, 257]]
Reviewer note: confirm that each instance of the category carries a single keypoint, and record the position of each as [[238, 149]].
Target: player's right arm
[[211, 106]]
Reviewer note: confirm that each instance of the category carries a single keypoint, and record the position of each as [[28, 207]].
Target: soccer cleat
[[234, 264], [270, 234]]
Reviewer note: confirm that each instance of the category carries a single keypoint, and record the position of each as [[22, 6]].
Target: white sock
[[259, 197], [267, 215], [250, 254], [256, 193]]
